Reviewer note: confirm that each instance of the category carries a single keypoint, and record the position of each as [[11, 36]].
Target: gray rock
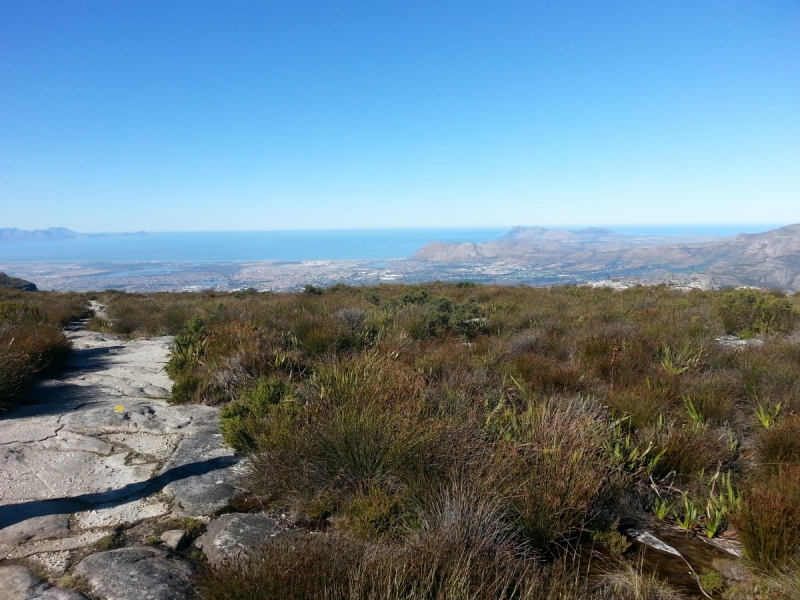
[[648, 539], [155, 391], [233, 535], [175, 539], [128, 416], [736, 343], [209, 491], [47, 592], [35, 529], [18, 583], [202, 495], [136, 573]]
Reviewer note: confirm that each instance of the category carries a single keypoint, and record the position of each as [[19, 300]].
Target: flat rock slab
[[234, 535], [36, 529], [18, 583], [66, 440], [29, 473], [206, 469], [127, 417], [136, 573], [30, 429], [81, 540], [126, 513]]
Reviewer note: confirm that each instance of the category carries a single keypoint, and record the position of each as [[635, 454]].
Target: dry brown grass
[[32, 343]]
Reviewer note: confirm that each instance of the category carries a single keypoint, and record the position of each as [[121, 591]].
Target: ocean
[[251, 246], [210, 246]]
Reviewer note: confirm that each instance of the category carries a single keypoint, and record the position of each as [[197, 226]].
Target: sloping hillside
[[770, 259]]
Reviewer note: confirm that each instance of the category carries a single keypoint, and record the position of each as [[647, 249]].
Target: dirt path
[[100, 448]]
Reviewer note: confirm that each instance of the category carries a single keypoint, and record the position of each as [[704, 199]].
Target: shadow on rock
[[11, 514]]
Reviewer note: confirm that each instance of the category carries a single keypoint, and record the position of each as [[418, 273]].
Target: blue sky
[[166, 116]]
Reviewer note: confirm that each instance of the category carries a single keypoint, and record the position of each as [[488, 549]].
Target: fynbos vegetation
[[459, 439]]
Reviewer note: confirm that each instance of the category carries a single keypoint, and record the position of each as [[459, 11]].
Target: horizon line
[[568, 227]]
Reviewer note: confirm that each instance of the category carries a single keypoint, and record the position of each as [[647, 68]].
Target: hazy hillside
[[765, 259], [12, 234], [15, 283]]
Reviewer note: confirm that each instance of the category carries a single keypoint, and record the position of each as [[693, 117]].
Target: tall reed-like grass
[[768, 518]]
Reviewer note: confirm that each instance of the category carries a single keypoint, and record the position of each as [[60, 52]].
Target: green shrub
[[375, 514], [188, 348], [19, 312], [240, 419], [748, 312], [185, 389], [372, 408]]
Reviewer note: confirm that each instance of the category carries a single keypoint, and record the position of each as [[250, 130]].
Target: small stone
[[175, 539], [233, 535]]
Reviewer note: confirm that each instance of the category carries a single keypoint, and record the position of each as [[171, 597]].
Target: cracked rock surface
[[100, 448], [136, 573]]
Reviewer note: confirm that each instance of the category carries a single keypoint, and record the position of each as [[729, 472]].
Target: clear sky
[[166, 116]]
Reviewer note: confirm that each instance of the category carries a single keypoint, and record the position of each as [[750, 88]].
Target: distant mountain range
[[12, 234], [769, 259]]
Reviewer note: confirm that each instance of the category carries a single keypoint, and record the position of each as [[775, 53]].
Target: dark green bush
[[375, 514], [188, 347], [749, 312], [185, 389], [240, 419], [16, 374]]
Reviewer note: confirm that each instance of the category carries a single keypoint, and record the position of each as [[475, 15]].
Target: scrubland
[[462, 441]]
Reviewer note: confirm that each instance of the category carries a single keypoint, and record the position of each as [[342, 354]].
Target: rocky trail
[[98, 466]]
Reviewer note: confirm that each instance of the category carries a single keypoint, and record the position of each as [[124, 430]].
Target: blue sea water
[[286, 245], [215, 246]]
